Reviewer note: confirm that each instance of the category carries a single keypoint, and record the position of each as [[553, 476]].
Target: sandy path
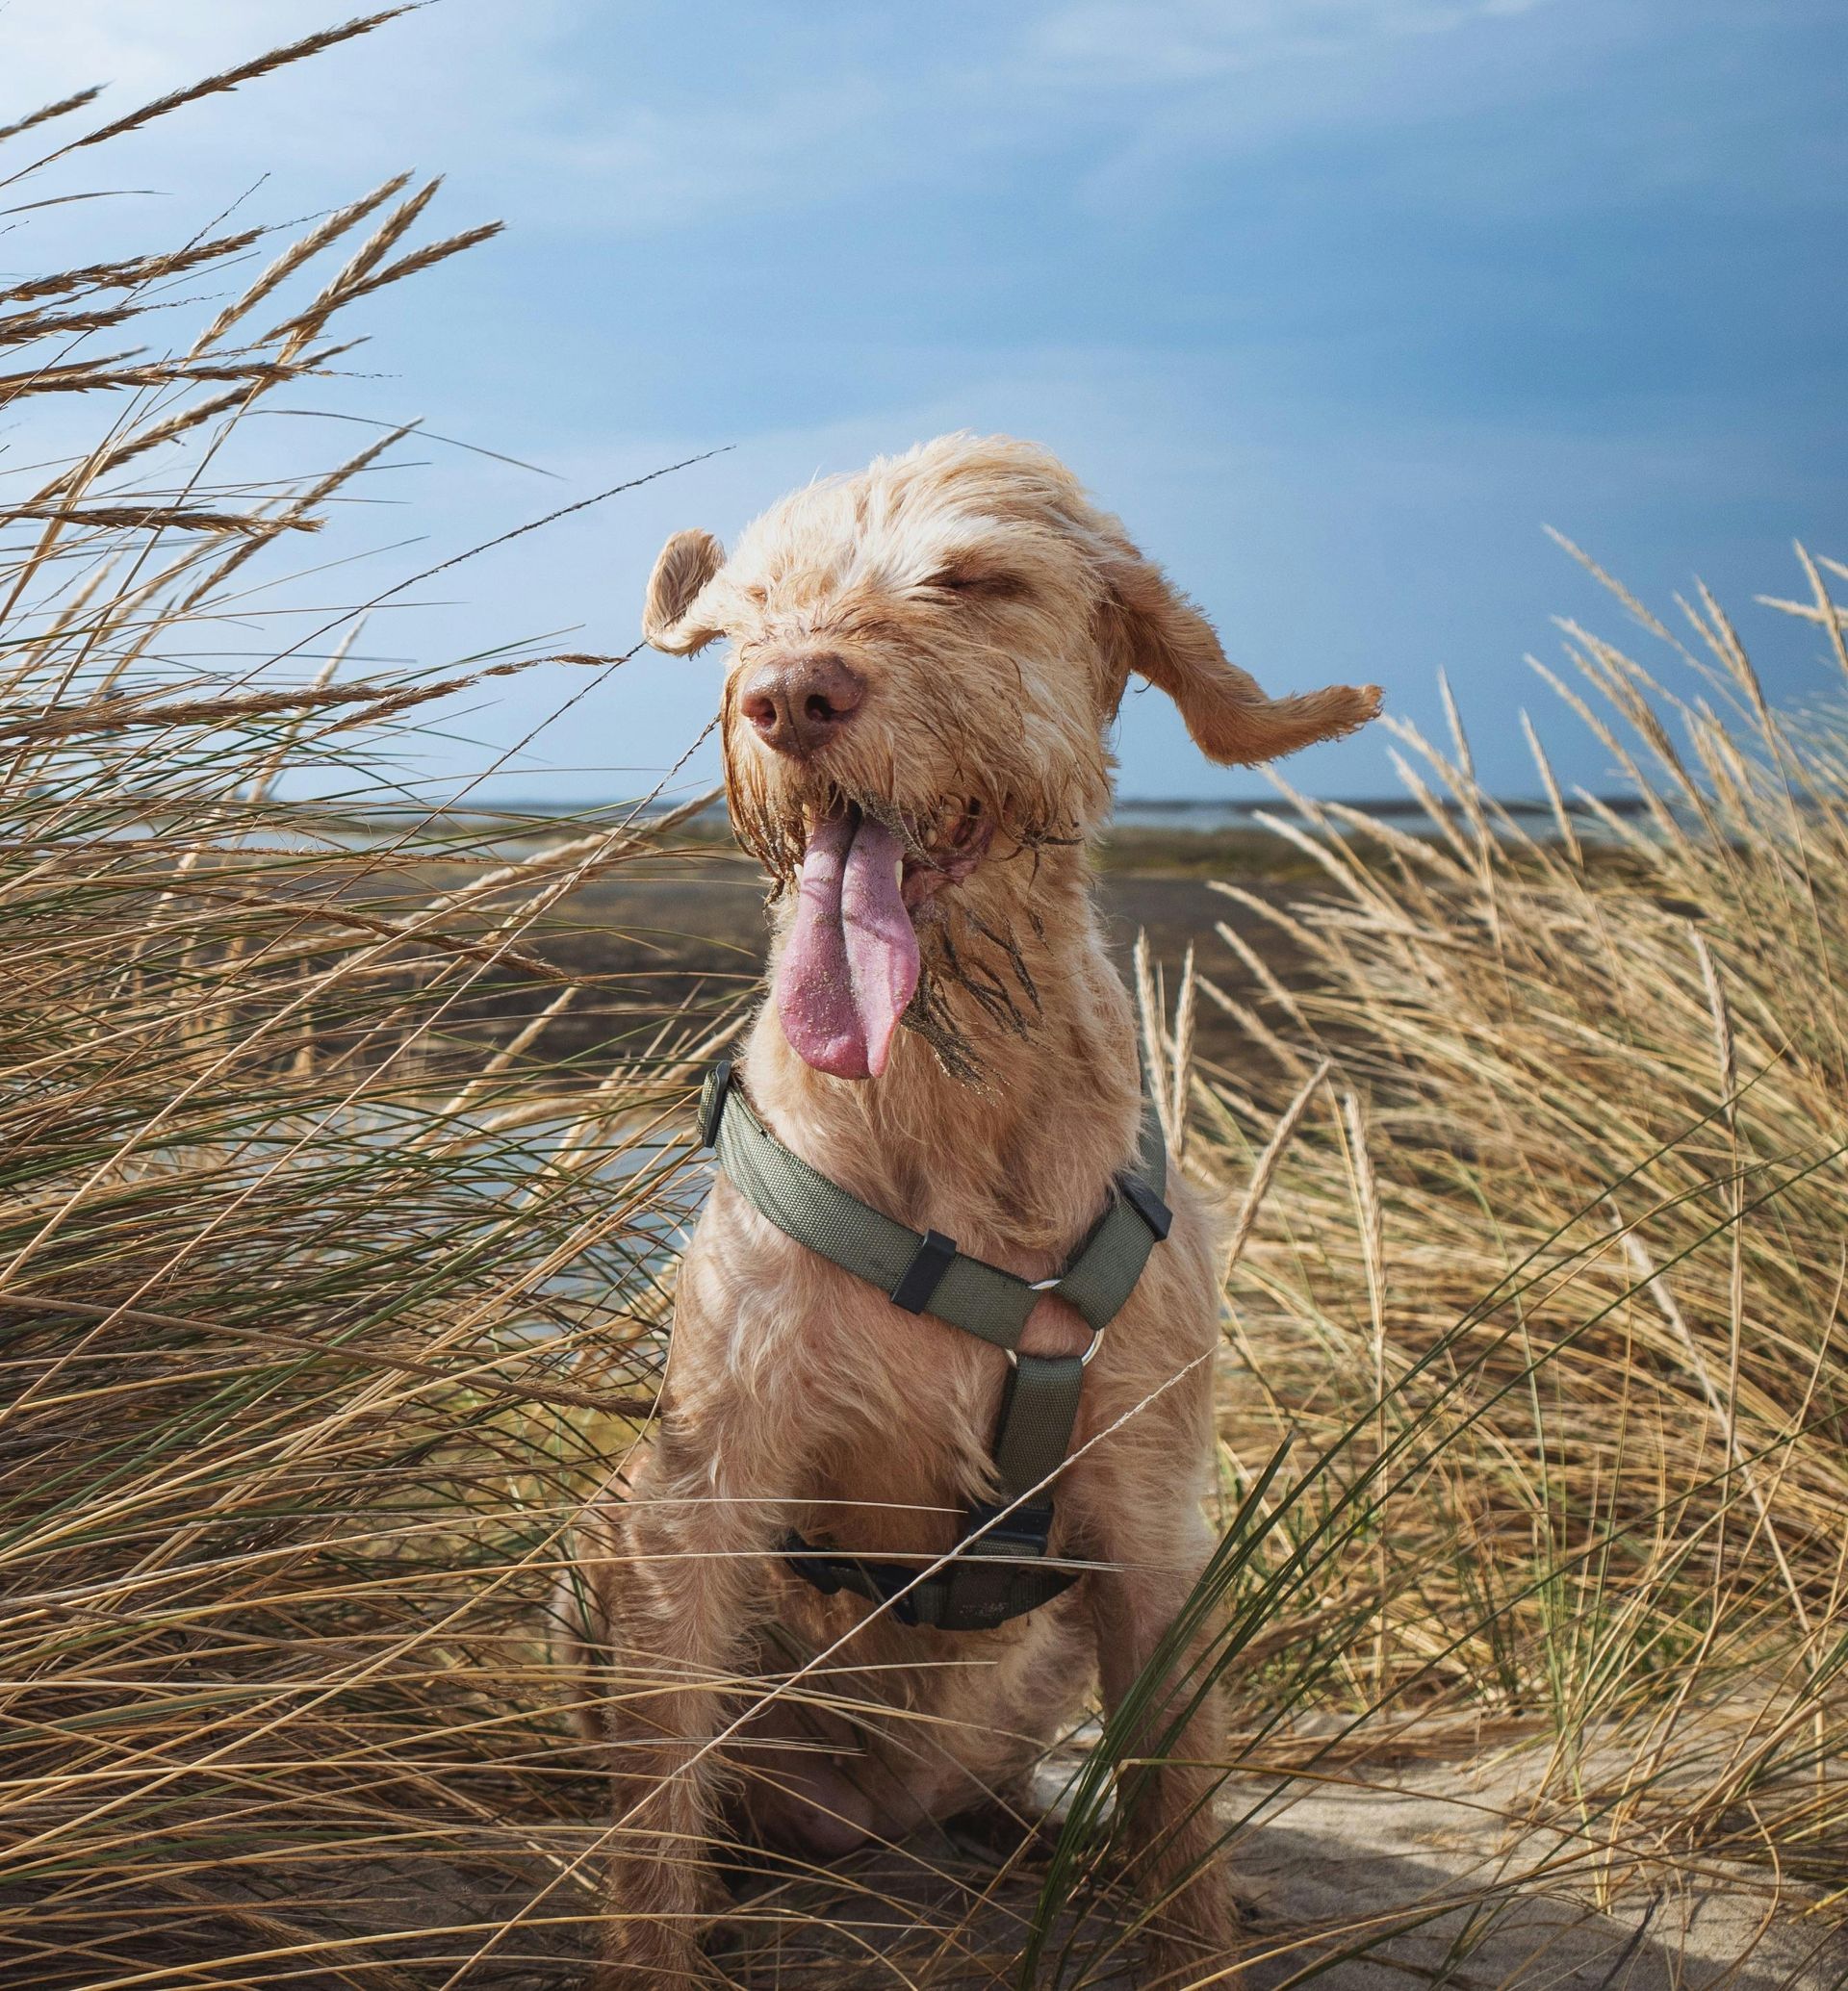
[[1379, 1881]]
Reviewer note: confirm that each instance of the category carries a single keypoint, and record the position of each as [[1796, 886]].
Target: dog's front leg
[[694, 1540], [1170, 1757]]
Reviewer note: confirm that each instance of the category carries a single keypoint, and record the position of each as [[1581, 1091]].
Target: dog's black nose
[[799, 702]]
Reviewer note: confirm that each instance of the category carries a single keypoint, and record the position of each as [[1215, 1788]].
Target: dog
[[926, 661]]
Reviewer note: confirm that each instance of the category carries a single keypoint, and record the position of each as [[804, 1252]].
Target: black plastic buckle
[[1022, 1531], [1146, 1205], [712, 1098], [917, 1284]]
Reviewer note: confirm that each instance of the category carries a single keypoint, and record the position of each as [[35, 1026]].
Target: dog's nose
[[800, 703]]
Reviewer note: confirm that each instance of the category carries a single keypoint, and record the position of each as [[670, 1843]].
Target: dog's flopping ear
[[1173, 645], [671, 619]]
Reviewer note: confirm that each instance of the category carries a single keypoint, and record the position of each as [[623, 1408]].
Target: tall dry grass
[[1546, 1283], [323, 1278]]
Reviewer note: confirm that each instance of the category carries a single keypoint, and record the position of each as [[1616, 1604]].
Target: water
[[515, 826], [1206, 818]]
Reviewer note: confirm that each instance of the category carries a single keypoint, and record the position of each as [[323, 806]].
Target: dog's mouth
[[851, 964]]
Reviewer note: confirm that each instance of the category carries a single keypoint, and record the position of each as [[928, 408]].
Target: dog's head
[[926, 661]]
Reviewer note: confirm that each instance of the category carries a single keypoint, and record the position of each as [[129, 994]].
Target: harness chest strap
[[993, 1576]]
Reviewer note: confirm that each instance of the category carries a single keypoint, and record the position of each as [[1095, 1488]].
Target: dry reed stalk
[[224, 80], [44, 115], [374, 702], [132, 272], [294, 257], [168, 516]]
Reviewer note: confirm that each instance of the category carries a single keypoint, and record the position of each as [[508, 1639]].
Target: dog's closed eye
[[968, 577]]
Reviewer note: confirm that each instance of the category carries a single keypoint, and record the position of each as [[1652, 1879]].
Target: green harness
[[997, 1571]]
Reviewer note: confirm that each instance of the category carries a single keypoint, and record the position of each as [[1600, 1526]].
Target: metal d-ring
[[1083, 1361], [1049, 1285]]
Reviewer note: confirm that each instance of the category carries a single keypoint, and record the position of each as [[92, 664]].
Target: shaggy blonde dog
[[926, 660]]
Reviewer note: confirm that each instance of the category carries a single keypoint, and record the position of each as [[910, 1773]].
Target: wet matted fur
[[994, 617]]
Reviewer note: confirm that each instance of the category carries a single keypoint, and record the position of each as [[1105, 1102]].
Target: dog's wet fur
[[993, 616]]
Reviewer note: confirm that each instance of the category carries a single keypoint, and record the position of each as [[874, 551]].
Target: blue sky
[[1335, 301]]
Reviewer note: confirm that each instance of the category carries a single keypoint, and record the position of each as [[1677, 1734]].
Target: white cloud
[[549, 112], [503, 99]]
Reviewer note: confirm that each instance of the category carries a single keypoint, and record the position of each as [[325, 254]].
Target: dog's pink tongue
[[851, 962]]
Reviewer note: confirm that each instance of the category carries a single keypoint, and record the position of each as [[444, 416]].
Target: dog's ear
[[669, 620], [1173, 645]]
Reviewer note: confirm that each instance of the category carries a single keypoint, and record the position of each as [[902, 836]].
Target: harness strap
[[925, 1273], [994, 1575], [1038, 1412]]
